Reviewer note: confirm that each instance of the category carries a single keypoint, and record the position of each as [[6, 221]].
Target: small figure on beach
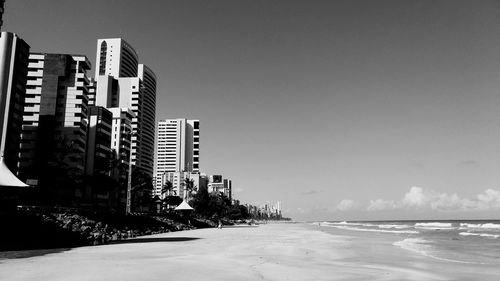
[[219, 225]]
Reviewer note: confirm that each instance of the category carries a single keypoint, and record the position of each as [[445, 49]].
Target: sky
[[342, 110]]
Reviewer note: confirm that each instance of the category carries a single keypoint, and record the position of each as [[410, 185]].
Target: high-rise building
[[55, 115], [98, 154], [121, 82], [1, 12], [121, 138], [14, 54], [147, 125], [178, 148], [115, 57]]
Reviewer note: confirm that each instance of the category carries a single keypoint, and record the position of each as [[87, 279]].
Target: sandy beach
[[264, 252]]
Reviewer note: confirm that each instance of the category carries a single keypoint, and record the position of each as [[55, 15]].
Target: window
[[102, 60]]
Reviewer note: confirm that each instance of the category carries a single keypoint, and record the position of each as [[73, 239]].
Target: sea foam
[[493, 226], [373, 229], [434, 225], [423, 247], [397, 226], [488, 235]]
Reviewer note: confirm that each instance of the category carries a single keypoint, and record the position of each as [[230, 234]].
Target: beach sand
[[264, 252]]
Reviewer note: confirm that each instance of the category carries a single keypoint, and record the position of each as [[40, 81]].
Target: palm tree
[[165, 192], [188, 185], [166, 188]]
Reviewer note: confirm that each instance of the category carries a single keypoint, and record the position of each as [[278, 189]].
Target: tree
[[188, 185], [210, 205], [142, 188], [167, 187], [172, 200]]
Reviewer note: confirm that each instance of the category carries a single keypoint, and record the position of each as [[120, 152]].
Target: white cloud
[[415, 197], [489, 199], [418, 198], [380, 204], [346, 205]]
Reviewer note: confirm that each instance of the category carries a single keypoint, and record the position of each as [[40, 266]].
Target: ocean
[[466, 242]]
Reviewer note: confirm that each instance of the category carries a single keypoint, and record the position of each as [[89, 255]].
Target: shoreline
[[273, 251]]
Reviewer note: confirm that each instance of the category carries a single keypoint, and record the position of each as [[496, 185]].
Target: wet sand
[[266, 252]]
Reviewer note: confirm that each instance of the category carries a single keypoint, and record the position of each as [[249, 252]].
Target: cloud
[[489, 199], [418, 198], [415, 198], [346, 205], [379, 204]]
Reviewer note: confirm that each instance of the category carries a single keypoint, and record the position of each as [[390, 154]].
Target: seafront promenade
[[264, 252]]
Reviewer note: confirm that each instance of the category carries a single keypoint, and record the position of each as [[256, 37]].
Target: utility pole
[[128, 209]]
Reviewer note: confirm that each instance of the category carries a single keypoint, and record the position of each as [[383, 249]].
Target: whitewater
[[462, 242]]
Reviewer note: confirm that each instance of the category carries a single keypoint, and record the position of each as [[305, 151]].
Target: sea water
[[468, 242]]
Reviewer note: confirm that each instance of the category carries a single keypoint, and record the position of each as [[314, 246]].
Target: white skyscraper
[[178, 148], [121, 82]]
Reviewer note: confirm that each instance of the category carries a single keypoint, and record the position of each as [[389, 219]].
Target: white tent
[[183, 206], [7, 178]]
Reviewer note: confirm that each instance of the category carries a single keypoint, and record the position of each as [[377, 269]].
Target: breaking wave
[[488, 235], [352, 227], [423, 247], [434, 225], [480, 226]]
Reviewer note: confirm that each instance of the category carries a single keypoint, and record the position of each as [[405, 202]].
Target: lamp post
[[128, 209]]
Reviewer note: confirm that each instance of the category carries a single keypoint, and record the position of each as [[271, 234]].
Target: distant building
[[178, 148], [228, 188], [120, 82], [217, 184], [14, 53], [98, 141], [55, 115]]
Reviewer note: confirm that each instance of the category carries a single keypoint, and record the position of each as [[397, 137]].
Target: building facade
[[121, 82], [121, 142], [148, 78], [14, 53], [98, 154], [218, 184], [55, 115], [1, 13], [178, 148]]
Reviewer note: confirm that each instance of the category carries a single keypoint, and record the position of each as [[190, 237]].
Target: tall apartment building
[[178, 148], [55, 114], [121, 82], [121, 138], [98, 154], [147, 125], [1, 12], [14, 54]]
